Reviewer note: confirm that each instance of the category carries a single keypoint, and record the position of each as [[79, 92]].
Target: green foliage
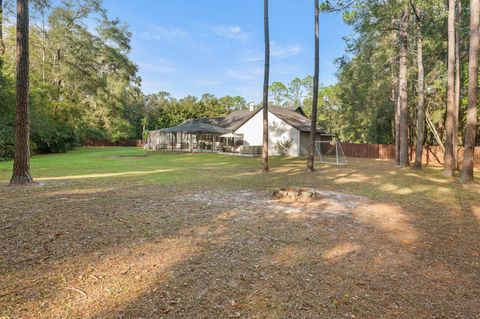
[[283, 146], [7, 138], [299, 92], [51, 136], [292, 94], [163, 110], [7, 119], [368, 72], [278, 92], [82, 82]]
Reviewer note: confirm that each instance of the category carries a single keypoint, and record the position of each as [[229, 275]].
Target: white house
[[241, 132]]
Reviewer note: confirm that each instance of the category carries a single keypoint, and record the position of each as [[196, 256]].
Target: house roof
[[221, 125], [233, 120], [293, 116], [197, 126]]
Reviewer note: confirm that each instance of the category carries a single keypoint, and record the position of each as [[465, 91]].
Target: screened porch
[[195, 136]]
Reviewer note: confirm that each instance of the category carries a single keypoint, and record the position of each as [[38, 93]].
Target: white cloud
[[202, 47], [161, 66], [252, 56], [161, 33], [285, 69], [280, 51], [206, 82], [231, 32], [245, 74], [277, 51]]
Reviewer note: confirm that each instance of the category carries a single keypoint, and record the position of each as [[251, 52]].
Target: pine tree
[[403, 87], [449, 161], [471, 127], [265, 88], [313, 126], [21, 165]]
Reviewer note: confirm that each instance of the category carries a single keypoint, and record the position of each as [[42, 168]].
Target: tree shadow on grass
[[150, 251], [328, 261], [49, 242]]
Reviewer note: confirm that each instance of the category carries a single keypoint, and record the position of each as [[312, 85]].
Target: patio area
[[195, 136]]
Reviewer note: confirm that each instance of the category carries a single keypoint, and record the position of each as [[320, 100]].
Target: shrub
[[282, 147], [53, 136], [7, 140], [92, 133]]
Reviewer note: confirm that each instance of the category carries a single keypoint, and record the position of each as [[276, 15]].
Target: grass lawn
[[129, 233]]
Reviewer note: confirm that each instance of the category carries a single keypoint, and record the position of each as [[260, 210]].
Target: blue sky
[[216, 46]]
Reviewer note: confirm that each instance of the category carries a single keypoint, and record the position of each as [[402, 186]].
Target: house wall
[[279, 130], [305, 141]]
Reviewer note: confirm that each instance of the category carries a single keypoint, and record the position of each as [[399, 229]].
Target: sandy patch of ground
[[166, 252]]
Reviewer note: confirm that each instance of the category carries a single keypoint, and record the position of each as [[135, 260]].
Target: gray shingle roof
[[235, 119], [294, 118], [197, 126], [221, 125]]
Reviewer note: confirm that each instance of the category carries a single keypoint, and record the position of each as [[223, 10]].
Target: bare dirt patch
[[155, 251]]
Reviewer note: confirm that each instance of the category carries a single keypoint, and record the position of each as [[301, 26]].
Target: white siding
[[279, 130]]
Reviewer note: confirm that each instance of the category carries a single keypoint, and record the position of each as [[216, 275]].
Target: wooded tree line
[[360, 108], [82, 83], [410, 76]]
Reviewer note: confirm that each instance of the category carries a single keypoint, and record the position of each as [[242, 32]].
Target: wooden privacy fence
[[432, 155], [380, 151]]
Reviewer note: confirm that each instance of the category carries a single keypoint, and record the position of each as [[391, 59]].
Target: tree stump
[[295, 194]]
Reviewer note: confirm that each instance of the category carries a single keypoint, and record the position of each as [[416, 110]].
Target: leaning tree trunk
[[449, 160], [21, 164], [458, 95], [313, 125], [403, 89], [471, 126], [265, 87], [421, 103]]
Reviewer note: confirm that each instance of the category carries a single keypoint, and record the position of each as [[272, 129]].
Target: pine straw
[[113, 250]]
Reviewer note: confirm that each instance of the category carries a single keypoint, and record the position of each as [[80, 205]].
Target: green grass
[[100, 206], [134, 166], [111, 160]]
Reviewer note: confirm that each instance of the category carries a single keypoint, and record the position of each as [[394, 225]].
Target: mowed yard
[[128, 233]]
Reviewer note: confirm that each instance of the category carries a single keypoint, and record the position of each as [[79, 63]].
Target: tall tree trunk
[[313, 126], [421, 102], [458, 95], [471, 126], [2, 44], [44, 45], [403, 88], [397, 126], [21, 164], [265, 87], [449, 160], [396, 100]]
